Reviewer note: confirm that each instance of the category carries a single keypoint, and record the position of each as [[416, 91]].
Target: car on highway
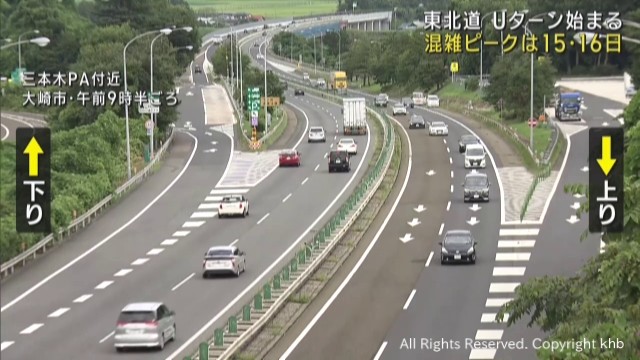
[[458, 246], [418, 98], [474, 156], [349, 145], [433, 101], [381, 100], [299, 92], [438, 128], [233, 205], [144, 325], [407, 102], [417, 122], [305, 77], [339, 161], [197, 69], [316, 134], [399, 109], [289, 157], [476, 186], [259, 56], [465, 140], [223, 260]]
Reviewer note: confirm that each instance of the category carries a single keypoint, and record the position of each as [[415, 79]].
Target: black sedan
[[197, 69], [458, 246], [299, 92], [467, 140], [417, 122]]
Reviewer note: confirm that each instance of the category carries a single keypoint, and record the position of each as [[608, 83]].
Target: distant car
[[255, 44], [264, 33], [321, 83], [406, 101], [144, 324], [223, 260], [418, 98], [417, 122], [297, 92], [438, 128], [339, 161], [317, 134], [433, 101], [289, 158], [467, 140], [197, 69], [474, 157], [233, 205], [349, 145], [305, 77], [399, 109], [458, 246], [260, 56], [476, 187], [382, 100]]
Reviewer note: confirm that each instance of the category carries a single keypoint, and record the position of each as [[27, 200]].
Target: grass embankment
[[271, 9]]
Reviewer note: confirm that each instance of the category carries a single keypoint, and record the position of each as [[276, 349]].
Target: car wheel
[[119, 349], [330, 170], [298, 164], [173, 337], [441, 260], [219, 216], [244, 214], [161, 346], [244, 266], [238, 271], [205, 275]]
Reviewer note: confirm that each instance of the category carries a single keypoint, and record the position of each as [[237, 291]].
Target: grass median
[[271, 9]]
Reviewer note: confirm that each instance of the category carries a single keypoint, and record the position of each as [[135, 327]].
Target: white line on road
[[106, 337], [516, 243], [519, 232], [139, 261], [452, 174], [304, 181], [451, 188], [83, 298], [104, 285], [31, 328], [286, 198], [263, 219], [513, 256], [489, 334], [193, 224], [509, 270], [444, 141], [448, 205], [213, 198], [429, 259], [6, 344], [495, 288], [380, 351], [448, 150], [325, 155], [316, 168], [204, 214], [335, 137], [181, 233], [182, 282], [482, 354], [234, 242], [331, 145], [491, 318], [496, 302], [408, 302], [228, 191], [208, 206], [122, 272], [441, 228], [450, 160], [58, 312], [6, 134], [155, 251], [168, 242]]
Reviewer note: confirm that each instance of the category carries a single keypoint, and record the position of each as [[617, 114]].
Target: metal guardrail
[[273, 295], [83, 220]]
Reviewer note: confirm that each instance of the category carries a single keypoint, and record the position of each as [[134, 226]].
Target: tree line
[[88, 142]]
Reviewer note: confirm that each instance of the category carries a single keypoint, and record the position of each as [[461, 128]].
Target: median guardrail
[[83, 220], [245, 324]]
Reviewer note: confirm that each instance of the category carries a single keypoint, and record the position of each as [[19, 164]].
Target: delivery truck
[[354, 116]]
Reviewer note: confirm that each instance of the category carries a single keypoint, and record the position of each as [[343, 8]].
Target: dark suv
[[476, 187], [339, 161]]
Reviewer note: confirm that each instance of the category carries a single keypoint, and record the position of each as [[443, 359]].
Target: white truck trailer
[[354, 113]]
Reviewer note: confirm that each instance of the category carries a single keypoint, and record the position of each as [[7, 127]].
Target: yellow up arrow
[[606, 162], [33, 149]]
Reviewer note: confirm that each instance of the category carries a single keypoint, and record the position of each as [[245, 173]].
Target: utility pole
[[315, 62]]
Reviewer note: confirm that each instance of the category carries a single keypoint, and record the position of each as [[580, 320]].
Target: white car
[[233, 205], [260, 56], [223, 260], [148, 324], [433, 101], [475, 157], [316, 134], [438, 128], [399, 108], [348, 145]]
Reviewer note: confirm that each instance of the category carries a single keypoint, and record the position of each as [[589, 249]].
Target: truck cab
[[419, 99], [568, 106]]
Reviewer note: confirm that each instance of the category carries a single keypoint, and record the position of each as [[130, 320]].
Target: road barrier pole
[[257, 302], [266, 289], [233, 325], [246, 313], [276, 282]]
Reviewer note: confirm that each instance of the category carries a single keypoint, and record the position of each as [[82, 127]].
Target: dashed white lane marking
[[122, 272], [139, 261], [448, 150], [228, 191], [104, 285], [429, 259], [155, 251], [286, 198], [182, 282], [519, 232], [452, 174], [6, 344], [325, 155], [204, 215], [451, 188], [331, 145], [168, 242], [516, 243], [106, 337], [509, 271], [408, 302], [263, 219], [444, 141], [316, 168], [450, 161], [335, 137], [213, 198], [491, 318], [513, 256], [58, 313], [193, 224], [31, 328], [234, 242], [448, 205], [497, 288], [482, 354], [208, 206], [489, 334], [83, 298], [441, 228], [304, 181], [380, 351], [496, 302], [181, 233]]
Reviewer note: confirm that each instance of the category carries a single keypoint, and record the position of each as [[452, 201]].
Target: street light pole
[[241, 86], [231, 64], [266, 124], [315, 62], [238, 63], [40, 41], [339, 51], [527, 31], [20, 45]]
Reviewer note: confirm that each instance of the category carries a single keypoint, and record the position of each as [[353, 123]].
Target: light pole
[[528, 31], [40, 41], [322, 49], [238, 64], [481, 83], [20, 45], [339, 50], [153, 115], [315, 62], [126, 105], [231, 63], [266, 124]]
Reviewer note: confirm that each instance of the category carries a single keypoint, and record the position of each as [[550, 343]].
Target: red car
[[290, 158]]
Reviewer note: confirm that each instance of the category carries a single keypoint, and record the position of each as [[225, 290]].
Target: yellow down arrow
[[33, 149], [606, 162]]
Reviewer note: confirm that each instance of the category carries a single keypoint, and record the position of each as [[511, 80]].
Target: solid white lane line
[[104, 285], [316, 168], [304, 181], [448, 205], [213, 198], [286, 198], [208, 206], [234, 242], [31, 328], [83, 298], [380, 351], [489, 334], [228, 191], [450, 161], [155, 251], [491, 318], [6, 344], [139, 261], [263, 219], [516, 243], [58, 313], [496, 302], [429, 259], [510, 287], [452, 174], [441, 228], [513, 256], [204, 215], [509, 271], [408, 302], [122, 272], [519, 232], [482, 354], [193, 224], [182, 282], [106, 337], [168, 242], [181, 233]]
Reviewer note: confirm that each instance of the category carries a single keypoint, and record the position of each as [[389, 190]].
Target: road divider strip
[[85, 219], [243, 326]]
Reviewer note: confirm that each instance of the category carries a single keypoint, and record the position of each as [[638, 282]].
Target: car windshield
[[337, 155], [469, 139], [346, 141], [219, 252], [457, 240], [432, 97], [475, 181], [399, 105], [417, 119], [475, 152], [381, 97], [315, 130], [437, 124], [136, 316], [231, 199], [288, 153], [570, 100]]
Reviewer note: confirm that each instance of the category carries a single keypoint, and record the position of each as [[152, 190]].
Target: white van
[[475, 157], [419, 99]]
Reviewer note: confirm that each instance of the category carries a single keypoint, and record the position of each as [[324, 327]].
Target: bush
[[472, 83]]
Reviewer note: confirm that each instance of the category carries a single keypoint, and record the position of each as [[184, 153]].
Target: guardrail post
[[203, 349], [276, 282], [309, 249], [246, 313], [285, 274], [257, 302], [294, 265], [327, 231], [233, 325], [267, 291], [187, 358], [302, 256]]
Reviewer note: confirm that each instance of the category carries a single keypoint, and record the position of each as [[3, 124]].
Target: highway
[[149, 247], [10, 122]]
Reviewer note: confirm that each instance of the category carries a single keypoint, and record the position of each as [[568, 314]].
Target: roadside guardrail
[[83, 220], [245, 324]]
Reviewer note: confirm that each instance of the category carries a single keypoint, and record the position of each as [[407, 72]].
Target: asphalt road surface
[[10, 122]]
